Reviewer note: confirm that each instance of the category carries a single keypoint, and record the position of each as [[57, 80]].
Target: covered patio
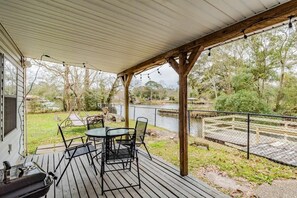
[[127, 38]]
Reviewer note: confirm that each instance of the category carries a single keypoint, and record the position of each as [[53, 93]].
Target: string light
[[45, 56], [209, 52], [244, 35], [159, 71], [255, 33], [290, 24], [69, 63], [148, 74]]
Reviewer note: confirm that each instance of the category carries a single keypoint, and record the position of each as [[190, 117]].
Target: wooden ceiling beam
[[260, 21]]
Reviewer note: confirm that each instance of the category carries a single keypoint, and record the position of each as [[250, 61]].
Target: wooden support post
[[126, 79], [257, 135], [203, 128], [233, 121], [183, 67]]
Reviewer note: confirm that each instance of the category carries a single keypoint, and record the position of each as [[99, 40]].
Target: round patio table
[[101, 132]]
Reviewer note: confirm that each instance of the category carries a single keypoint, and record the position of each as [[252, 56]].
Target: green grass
[[42, 129], [257, 170]]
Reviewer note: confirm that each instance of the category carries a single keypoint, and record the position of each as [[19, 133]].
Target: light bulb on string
[[209, 52], [84, 65], [159, 71], [141, 77], [291, 28], [63, 63], [244, 35], [148, 76], [290, 22]]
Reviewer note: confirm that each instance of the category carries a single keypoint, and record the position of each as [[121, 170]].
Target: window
[[10, 96]]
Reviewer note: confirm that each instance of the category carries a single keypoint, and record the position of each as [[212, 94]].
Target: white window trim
[[1, 97]]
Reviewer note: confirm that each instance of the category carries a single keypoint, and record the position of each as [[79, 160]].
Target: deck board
[[158, 179]]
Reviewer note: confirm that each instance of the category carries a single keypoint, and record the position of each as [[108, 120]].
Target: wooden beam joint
[[186, 63]]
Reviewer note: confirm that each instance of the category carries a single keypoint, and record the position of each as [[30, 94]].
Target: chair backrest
[[140, 127], [109, 141], [62, 135], [95, 122]]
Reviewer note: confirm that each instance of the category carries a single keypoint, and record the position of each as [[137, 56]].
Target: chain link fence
[[270, 136]]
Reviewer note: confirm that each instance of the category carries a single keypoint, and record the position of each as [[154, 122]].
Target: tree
[[258, 64], [242, 101]]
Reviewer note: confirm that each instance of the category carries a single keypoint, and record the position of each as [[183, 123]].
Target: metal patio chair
[[74, 151], [140, 127], [94, 122], [124, 155]]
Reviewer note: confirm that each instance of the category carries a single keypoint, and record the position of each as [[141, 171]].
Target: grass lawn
[[42, 129], [257, 170]]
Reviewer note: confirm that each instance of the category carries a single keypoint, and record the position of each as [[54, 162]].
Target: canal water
[[169, 122]]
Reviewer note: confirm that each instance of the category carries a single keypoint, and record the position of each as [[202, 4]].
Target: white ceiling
[[114, 35]]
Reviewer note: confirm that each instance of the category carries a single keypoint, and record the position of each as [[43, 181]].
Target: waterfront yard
[[220, 160]]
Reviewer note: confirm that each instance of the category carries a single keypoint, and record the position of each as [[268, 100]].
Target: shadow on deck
[[158, 179]]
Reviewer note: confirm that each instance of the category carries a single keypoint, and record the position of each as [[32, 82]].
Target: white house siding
[[13, 54]]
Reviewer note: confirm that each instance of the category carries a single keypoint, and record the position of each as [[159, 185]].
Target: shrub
[[242, 101]]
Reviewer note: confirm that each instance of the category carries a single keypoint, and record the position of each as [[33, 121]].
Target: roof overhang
[[131, 36], [258, 22]]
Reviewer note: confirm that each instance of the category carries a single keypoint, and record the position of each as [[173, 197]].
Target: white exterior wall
[[12, 53]]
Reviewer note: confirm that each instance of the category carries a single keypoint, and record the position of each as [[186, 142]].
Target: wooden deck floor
[[159, 179]]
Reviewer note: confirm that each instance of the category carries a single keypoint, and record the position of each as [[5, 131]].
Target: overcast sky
[[168, 76]]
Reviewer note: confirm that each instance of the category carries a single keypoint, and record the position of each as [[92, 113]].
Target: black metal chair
[[74, 151], [124, 156], [140, 127], [94, 122]]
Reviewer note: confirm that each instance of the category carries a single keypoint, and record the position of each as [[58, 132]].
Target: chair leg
[[102, 179], [102, 182], [95, 148], [147, 151], [130, 166], [64, 171], [102, 167], [93, 163], [139, 183], [59, 163], [88, 158], [114, 144]]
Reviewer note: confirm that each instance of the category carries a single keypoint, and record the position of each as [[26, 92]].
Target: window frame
[[3, 96]]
